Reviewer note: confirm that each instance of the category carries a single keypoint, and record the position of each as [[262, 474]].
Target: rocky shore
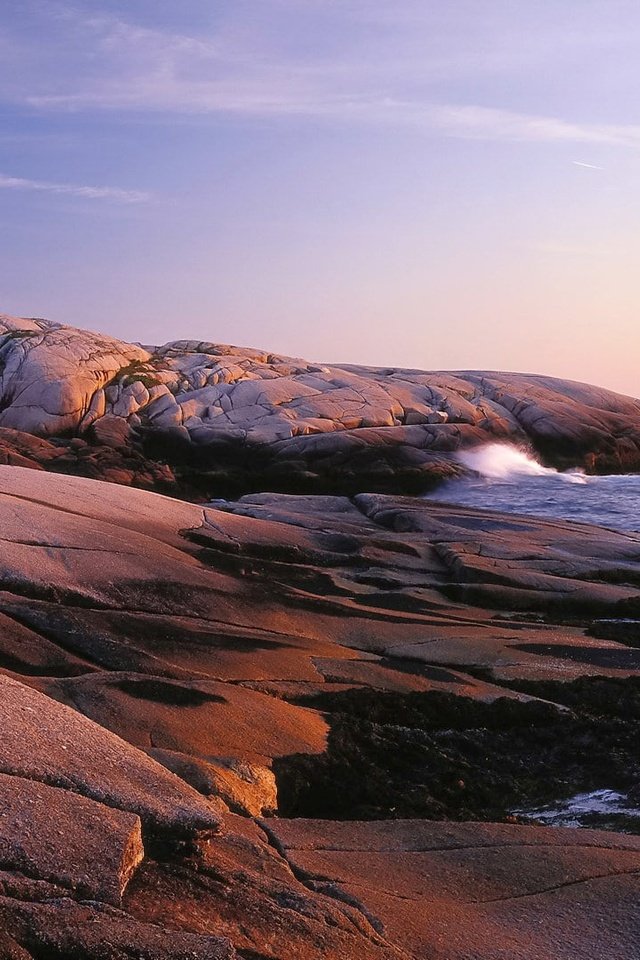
[[292, 726], [202, 419]]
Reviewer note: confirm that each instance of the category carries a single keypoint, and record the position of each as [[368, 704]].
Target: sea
[[511, 480]]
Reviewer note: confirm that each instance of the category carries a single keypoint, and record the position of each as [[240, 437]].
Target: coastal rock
[[49, 373], [63, 928], [245, 787], [229, 419], [77, 457], [61, 837], [477, 890], [46, 741], [174, 662]]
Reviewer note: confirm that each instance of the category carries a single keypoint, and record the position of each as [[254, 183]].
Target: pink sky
[[422, 184]]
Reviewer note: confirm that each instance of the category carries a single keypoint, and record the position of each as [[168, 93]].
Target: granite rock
[[164, 660], [232, 419]]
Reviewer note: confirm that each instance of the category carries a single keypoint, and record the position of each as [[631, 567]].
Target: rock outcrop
[[48, 742], [170, 674], [270, 728], [216, 419]]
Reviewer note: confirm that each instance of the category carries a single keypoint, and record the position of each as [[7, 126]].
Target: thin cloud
[[233, 71], [74, 190], [569, 249], [264, 98], [495, 124]]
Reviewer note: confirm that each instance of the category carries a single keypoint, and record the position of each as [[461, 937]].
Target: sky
[[442, 184]]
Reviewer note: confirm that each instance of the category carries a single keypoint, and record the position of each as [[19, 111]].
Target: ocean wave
[[503, 461]]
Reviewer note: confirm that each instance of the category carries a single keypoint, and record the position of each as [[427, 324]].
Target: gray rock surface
[[51, 373], [250, 419]]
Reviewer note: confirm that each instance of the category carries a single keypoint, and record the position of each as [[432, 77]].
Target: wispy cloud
[[495, 124], [568, 249], [74, 190], [124, 67], [269, 97]]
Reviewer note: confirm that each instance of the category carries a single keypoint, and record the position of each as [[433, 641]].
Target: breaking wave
[[501, 461], [509, 479]]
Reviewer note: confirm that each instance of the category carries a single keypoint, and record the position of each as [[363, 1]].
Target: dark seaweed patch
[[609, 658], [438, 756]]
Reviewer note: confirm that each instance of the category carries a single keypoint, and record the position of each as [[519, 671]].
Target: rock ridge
[[218, 419]]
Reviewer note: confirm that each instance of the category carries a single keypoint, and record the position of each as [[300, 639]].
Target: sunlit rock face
[[165, 669], [382, 672], [51, 373], [249, 419]]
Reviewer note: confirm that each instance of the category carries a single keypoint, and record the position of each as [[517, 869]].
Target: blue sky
[[432, 184]]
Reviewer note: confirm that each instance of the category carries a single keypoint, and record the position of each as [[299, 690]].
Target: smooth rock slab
[[204, 718], [47, 741], [61, 837], [478, 891]]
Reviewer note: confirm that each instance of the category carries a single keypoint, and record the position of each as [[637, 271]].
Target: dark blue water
[[511, 481]]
